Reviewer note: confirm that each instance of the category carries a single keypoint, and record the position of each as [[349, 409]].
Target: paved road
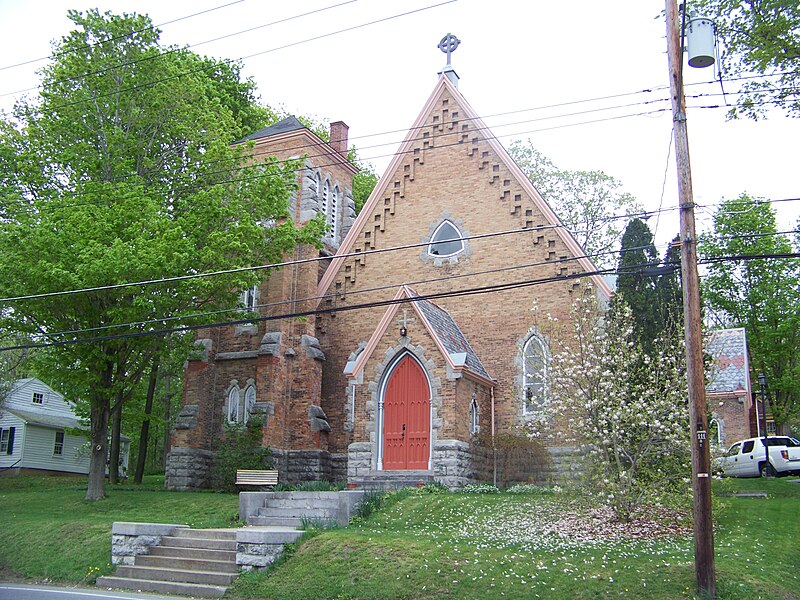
[[21, 591]]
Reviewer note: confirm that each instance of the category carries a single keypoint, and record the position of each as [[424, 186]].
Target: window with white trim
[[38, 398], [474, 416], [233, 405], [248, 299], [249, 402], [58, 446], [446, 240], [4, 436], [534, 375]]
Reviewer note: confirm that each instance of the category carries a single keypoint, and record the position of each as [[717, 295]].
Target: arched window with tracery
[[232, 408], [474, 416], [534, 375], [249, 402]]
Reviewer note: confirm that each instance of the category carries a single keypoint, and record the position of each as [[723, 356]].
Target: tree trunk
[[99, 414], [116, 426], [167, 419], [144, 434]]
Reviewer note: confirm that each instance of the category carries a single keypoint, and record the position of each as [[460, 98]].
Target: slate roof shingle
[[290, 123], [728, 349], [451, 336]]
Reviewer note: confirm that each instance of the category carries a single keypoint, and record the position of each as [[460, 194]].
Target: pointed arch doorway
[[406, 417]]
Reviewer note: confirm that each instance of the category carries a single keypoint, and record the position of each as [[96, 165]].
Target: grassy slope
[[50, 532], [454, 545], [459, 546]]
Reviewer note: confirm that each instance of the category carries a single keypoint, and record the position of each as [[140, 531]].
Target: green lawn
[[48, 531], [428, 545], [492, 546]]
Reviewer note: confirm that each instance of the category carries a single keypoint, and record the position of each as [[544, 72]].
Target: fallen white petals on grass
[[545, 523]]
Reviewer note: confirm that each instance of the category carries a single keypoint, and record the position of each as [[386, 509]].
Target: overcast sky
[[373, 63]]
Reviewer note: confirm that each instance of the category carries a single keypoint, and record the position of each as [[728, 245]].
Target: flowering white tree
[[626, 408]]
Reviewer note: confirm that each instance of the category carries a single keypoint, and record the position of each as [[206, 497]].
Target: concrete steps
[[195, 590], [190, 562], [270, 521], [392, 480], [173, 559]]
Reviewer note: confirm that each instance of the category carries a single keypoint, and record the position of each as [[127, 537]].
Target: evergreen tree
[[636, 281], [668, 284]]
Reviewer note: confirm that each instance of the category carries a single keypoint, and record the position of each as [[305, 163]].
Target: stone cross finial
[[405, 322], [448, 45]]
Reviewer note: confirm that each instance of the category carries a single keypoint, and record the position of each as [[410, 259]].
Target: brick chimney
[[339, 137]]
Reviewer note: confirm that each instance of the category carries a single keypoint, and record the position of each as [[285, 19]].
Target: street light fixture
[[762, 383]]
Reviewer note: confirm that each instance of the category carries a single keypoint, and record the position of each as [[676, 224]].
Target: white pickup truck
[[747, 458]]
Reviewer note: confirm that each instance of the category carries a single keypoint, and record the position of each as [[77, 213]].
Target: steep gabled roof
[[446, 334], [290, 123], [469, 114]]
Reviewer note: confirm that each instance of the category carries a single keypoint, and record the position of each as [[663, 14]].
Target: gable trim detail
[[456, 362], [469, 113]]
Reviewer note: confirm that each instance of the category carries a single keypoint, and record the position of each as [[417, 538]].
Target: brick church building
[[418, 333]]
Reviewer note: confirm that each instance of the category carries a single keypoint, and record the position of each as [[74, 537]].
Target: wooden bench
[[256, 478]]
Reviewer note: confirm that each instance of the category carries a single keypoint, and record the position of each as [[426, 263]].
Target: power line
[[300, 147], [323, 297], [553, 117], [429, 297], [113, 39], [317, 259], [261, 267], [261, 53], [495, 270], [168, 52]]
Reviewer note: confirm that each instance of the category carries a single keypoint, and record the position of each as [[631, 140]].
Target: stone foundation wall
[[454, 464], [569, 464], [296, 466], [188, 469], [128, 540], [359, 460]]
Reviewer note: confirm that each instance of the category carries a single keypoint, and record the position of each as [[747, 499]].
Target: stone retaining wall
[[258, 548], [128, 540]]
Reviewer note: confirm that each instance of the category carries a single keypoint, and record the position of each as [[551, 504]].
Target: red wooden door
[[406, 418]]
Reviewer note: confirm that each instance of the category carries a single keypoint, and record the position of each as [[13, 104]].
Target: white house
[[39, 431]]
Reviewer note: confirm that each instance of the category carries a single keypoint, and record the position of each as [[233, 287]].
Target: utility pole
[[701, 460]]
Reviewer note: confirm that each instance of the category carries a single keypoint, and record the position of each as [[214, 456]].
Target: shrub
[[480, 488], [433, 487], [240, 449], [372, 501], [519, 458], [529, 488]]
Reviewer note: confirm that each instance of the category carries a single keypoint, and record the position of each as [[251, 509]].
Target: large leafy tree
[[591, 204], [121, 171], [751, 283], [759, 37]]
